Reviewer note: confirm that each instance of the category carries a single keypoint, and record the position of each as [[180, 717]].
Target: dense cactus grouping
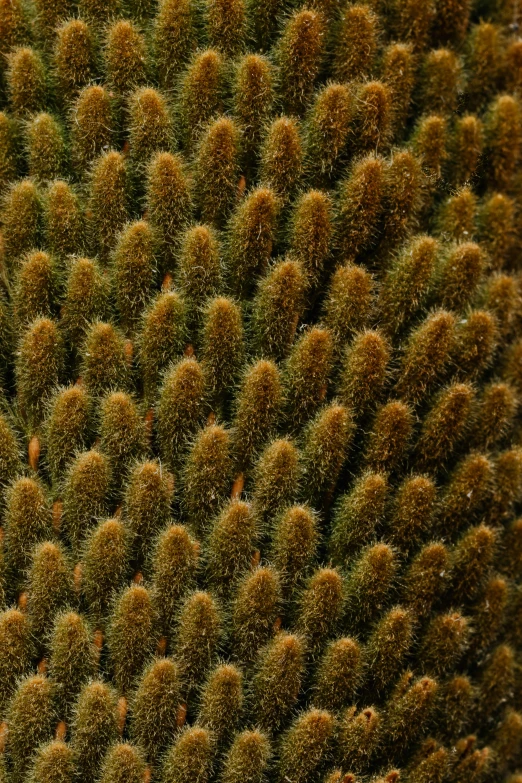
[[260, 386]]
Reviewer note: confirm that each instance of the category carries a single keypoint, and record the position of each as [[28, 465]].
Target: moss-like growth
[[45, 147], [475, 340], [131, 635], [74, 58], [357, 515], [348, 305], [226, 25], [123, 764], [207, 476], [35, 289], [30, 719], [277, 681], [134, 270], [360, 207], [85, 493], [21, 219], [150, 125], [441, 80], [216, 171], [173, 565], [64, 220], [104, 566], [398, 72], [358, 737], [503, 129], [92, 126], [444, 643], [430, 141], [338, 675], [454, 702], [319, 608], [408, 713], [356, 44], [94, 726], [68, 428], [17, 652], [198, 632], [25, 78], [247, 759], [489, 615], [372, 116], [155, 708], [7, 149], [426, 354], [466, 490], [459, 275], [364, 372], [299, 53], [496, 680], [253, 98], [222, 350], [368, 585], [311, 234], [53, 761], [306, 374], [230, 546], [125, 57], [444, 425], [275, 479], [190, 757], [162, 337], [456, 218], [105, 364], [14, 25], [221, 703], [470, 561], [108, 201], [328, 127], [407, 282], [201, 95], [180, 409], [257, 408], [277, 308], [200, 270], [50, 587], [254, 611], [306, 744], [85, 300], [169, 203], [325, 449], [27, 521], [389, 437], [496, 228], [72, 661], [387, 648], [281, 157], [412, 511], [122, 432], [250, 238], [425, 579], [294, 545], [402, 183], [466, 147], [146, 503], [173, 38], [483, 61]]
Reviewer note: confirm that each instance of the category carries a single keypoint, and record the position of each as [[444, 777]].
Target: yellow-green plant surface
[[260, 391]]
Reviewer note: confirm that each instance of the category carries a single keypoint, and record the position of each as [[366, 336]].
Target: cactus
[[260, 378]]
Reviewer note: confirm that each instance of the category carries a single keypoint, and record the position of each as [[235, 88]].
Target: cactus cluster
[[260, 386]]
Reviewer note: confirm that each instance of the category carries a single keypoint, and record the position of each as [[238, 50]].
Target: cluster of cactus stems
[[260, 385]]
